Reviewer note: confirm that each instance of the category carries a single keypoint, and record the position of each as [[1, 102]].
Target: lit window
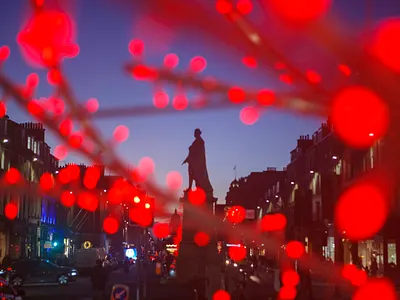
[[29, 142]]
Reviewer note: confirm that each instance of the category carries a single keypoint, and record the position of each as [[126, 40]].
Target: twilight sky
[[104, 30]]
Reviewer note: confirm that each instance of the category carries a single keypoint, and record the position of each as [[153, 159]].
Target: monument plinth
[[194, 263]]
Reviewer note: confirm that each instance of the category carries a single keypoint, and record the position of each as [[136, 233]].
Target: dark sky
[[104, 30]]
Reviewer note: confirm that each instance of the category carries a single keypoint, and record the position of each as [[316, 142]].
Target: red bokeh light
[[74, 171], [75, 140], [290, 278], [249, 61], [3, 109], [55, 105], [295, 249], [12, 176], [198, 64], [359, 116], [201, 239], [121, 133], [286, 78], [180, 102], [35, 109], [161, 230], [236, 95], [236, 214], [273, 222], [376, 289], [300, 11], [313, 76], [224, 6], [171, 60], [91, 178], [66, 127], [197, 196], [64, 176], [54, 77], [67, 199], [136, 47], [174, 180], [4, 53], [146, 166], [266, 97], [349, 271], [221, 295], [92, 105], [110, 225], [386, 46], [47, 182], [244, 6], [142, 72], [360, 278], [344, 69], [141, 216], [60, 152], [237, 253], [161, 99], [361, 211], [47, 38], [287, 293], [88, 201], [11, 211], [249, 115], [32, 80]]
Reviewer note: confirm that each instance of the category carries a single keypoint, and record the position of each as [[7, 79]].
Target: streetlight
[[5, 141], [35, 159], [334, 157], [312, 172], [292, 182]]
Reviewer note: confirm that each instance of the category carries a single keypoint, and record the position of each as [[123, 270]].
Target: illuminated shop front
[[171, 248]]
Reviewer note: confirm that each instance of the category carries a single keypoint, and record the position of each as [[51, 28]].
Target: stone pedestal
[[194, 261]]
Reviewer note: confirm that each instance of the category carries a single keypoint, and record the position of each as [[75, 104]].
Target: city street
[[258, 288]]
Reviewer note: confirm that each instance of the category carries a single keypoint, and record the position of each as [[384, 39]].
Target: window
[[3, 158], [29, 143], [44, 266], [35, 145]]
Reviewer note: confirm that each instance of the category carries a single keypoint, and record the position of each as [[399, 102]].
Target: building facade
[[321, 168], [23, 147]]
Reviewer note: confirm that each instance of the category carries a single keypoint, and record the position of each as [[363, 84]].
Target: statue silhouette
[[197, 166]]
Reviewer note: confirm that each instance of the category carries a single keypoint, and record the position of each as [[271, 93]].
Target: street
[[259, 287]]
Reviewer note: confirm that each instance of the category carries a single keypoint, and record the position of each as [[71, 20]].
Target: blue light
[[131, 253], [55, 244]]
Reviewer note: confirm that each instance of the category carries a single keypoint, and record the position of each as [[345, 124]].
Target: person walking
[[99, 278], [126, 265], [374, 267]]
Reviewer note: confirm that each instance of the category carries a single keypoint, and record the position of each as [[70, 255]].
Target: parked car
[[8, 292], [38, 271]]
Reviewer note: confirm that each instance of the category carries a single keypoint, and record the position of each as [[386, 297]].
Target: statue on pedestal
[[197, 165], [194, 261]]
